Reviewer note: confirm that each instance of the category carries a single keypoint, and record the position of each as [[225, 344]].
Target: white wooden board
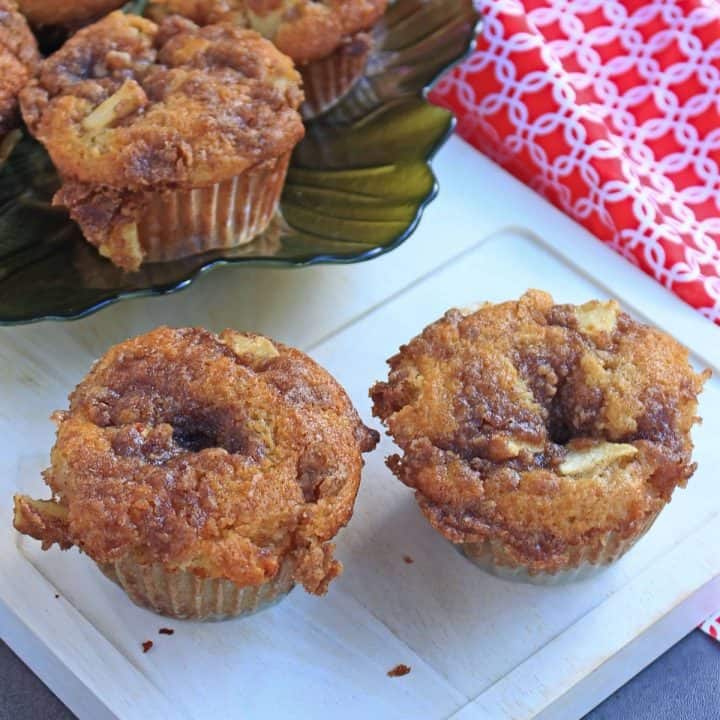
[[479, 647]]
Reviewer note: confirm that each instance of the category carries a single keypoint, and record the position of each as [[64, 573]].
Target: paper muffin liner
[[180, 223], [328, 80], [185, 596], [582, 562]]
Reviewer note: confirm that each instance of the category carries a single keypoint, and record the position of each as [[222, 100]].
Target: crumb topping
[[540, 425], [128, 104], [52, 12], [306, 30], [220, 455], [19, 60]]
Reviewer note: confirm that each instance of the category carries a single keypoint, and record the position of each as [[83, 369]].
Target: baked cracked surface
[[220, 455], [19, 61], [541, 426], [127, 103], [306, 30], [128, 109]]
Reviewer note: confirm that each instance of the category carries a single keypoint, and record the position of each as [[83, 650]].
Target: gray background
[[682, 684]]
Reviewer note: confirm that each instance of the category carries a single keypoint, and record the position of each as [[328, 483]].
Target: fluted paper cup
[[180, 223], [185, 596], [582, 561], [328, 80]]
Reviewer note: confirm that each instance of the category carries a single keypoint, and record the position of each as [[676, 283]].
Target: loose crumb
[[147, 645], [408, 559], [399, 671], [166, 631]]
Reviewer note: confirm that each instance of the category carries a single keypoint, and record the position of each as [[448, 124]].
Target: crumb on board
[[166, 631], [399, 671], [408, 559], [147, 645]]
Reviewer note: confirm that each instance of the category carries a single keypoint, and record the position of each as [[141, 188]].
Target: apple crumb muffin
[[19, 61], [327, 40], [206, 474], [542, 439], [170, 139]]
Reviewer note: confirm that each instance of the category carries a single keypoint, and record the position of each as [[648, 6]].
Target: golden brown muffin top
[[128, 104], [221, 455], [67, 13], [305, 30], [19, 60], [540, 425]]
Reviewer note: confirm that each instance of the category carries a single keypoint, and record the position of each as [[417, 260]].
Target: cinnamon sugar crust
[[69, 14], [19, 61], [128, 109], [306, 30], [220, 455], [542, 426], [130, 104]]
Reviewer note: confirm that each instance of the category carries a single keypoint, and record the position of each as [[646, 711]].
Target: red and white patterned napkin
[[611, 110], [712, 626]]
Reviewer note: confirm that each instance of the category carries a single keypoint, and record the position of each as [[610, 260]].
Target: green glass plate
[[356, 187]]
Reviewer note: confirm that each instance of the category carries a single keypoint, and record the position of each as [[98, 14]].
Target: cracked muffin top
[[540, 425], [128, 104], [306, 30], [221, 455], [52, 12], [19, 60]]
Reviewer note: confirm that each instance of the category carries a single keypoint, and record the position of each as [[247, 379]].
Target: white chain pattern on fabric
[[617, 119]]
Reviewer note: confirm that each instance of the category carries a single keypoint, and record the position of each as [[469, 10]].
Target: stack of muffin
[[172, 134]]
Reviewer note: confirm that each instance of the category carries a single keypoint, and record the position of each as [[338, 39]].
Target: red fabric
[[712, 626], [611, 110]]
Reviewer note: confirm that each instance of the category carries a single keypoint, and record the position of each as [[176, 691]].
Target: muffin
[[541, 439], [19, 60], [205, 474], [46, 13], [328, 40], [170, 140]]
